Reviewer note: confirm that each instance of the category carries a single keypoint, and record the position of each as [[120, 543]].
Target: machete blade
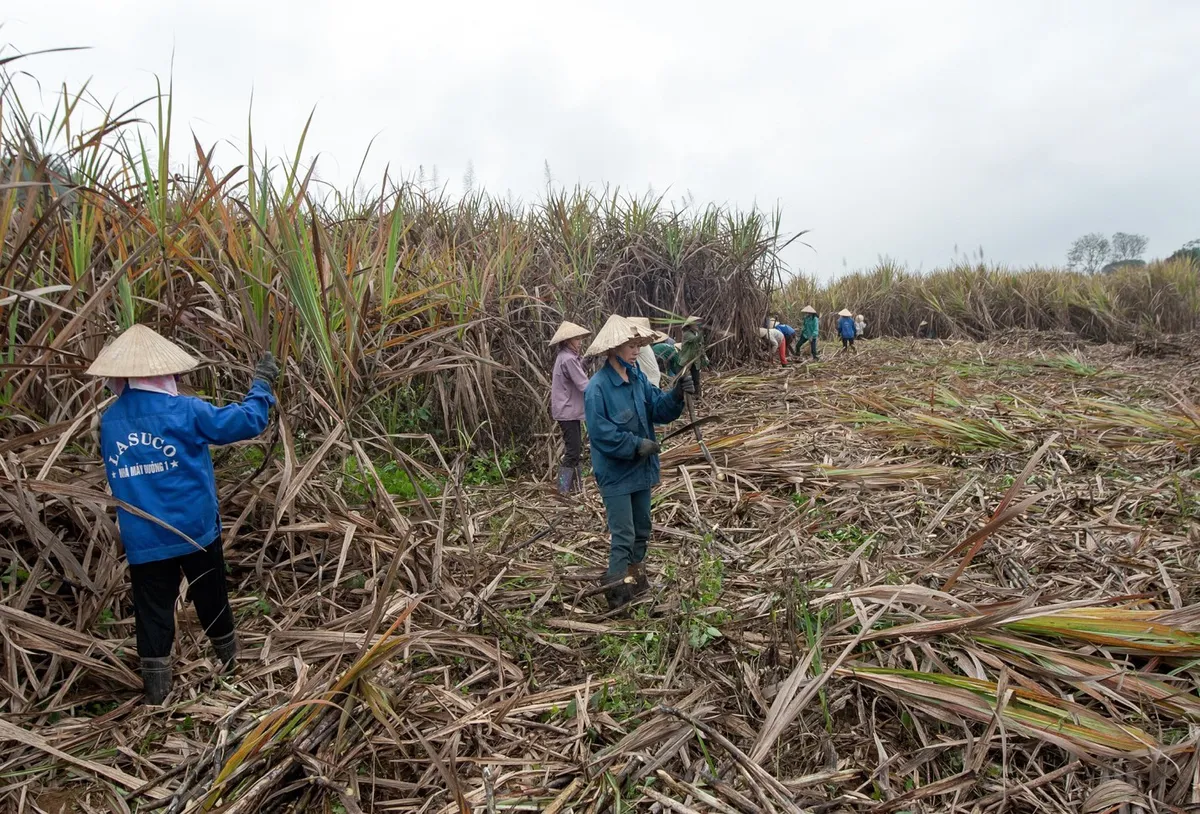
[[691, 425]]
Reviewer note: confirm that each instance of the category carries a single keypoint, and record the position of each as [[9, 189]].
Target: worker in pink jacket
[[566, 400]]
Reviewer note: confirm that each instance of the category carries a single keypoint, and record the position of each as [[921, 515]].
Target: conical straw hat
[[808, 309], [644, 322], [568, 330], [615, 333], [140, 352], [845, 312]]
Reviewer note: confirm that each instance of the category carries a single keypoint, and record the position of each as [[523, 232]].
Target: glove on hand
[[646, 448], [685, 386], [267, 369]]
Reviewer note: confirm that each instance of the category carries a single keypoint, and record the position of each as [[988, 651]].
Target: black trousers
[[156, 587], [847, 343], [695, 371], [572, 435]]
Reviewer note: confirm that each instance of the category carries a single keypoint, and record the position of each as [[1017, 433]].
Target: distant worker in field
[[846, 329], [647, 360], [860, 326], [925, 331], [622, 408], [154, 443], [567, 384], [789, 337], [811, 328], [694, 353], [775, 339], [667, 353]]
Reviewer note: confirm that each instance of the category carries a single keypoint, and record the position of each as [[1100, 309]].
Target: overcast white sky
[[897, 128]]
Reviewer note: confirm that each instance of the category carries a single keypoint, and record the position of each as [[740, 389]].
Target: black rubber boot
[[618, 596], [225, 648], [156, 679], [641, 583]]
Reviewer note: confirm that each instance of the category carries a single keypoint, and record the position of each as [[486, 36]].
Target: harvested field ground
[[939, 576]]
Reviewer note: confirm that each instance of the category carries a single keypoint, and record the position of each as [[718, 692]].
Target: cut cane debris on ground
[[937, 576]]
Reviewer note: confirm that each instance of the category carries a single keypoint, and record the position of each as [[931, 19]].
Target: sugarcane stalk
[[691, 408]]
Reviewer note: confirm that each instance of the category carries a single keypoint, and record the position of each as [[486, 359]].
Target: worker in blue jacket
[[789, 334], [154, 444], [847, 330], [621, 408]]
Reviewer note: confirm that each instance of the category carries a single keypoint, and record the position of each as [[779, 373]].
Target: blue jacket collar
[[615, 378]]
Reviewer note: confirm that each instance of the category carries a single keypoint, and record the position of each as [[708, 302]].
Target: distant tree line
[[1096, 253], [1189, 251]]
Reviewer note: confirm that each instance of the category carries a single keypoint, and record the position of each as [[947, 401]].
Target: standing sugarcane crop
[[846, 329], [567, 384], [622, 408], [694, 354], [154, 444], [811, 328]]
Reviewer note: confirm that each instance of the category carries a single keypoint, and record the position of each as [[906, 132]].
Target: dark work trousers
[[156, 587], [812, 343], [695, 371], [629, 525], [572, 443], [847, 343]]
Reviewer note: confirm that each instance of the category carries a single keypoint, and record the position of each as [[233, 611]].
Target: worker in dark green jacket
[[811, 328], [667, 353], [694, 351]]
